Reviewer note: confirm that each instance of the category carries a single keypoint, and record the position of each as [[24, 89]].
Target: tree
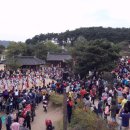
[[41, 49], [115, 35], [13, 64], [51, 47], [2, 48], [15, 49], [96, 56]]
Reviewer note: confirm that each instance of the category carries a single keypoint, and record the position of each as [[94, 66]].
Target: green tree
[[13, 64], [41, 49], [115, 35], [2, 48], [96, 56], [51, 47], [15, 49]]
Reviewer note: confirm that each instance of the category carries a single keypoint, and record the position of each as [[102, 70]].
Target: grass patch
[[82, 120], [56, 99]]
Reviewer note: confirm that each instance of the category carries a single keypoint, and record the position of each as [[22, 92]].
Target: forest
[[115, 35]]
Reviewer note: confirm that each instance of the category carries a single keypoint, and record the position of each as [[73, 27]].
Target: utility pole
[[65, 110], [64, 78]]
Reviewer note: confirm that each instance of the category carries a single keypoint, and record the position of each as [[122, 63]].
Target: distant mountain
[[4, 43]]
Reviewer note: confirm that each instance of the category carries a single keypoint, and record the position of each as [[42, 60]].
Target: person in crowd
[[28, 120], [83, 92], [106, 111], [0, 123], [113, 110], [15, 125], [100, 108], [109, 99], [69, 109], [23, 127], [87, 103], [124, 101], [93, 94], [45, 103], [1, 100], [125, 118], [8, 121]]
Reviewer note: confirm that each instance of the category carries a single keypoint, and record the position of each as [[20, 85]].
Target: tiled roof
[[58, 57], [28, 60]]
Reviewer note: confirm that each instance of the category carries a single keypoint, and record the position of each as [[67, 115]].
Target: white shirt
[[109, 100], [67, 89], [16, 93]]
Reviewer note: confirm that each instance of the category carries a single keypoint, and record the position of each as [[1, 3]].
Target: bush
[[82, 120], [56, 99]]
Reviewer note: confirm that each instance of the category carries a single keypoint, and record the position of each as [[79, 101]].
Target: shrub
[[82, 120], [56, 99]]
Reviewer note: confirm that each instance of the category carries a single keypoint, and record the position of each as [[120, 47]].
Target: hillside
[[4, 43], [115, 35]]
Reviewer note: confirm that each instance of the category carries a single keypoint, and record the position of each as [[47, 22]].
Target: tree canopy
[[92, 33], [97, 55], [15, 49], [39, 50], [2, 48]]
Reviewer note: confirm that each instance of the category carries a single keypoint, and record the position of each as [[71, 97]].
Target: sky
[[23, 19]]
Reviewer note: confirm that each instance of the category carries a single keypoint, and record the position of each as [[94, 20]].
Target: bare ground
[[55, 114]]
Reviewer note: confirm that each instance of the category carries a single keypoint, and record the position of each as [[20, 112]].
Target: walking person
[[106, 111], [45, 103], [28, 120], [0, 123], [8, 121], [113, 111], [93, 95], [125, 118], [23, 127], [69, 109], [15, 126], [100, 108]]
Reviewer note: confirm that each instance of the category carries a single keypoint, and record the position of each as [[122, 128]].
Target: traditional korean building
[[59, 59], [25, 61]]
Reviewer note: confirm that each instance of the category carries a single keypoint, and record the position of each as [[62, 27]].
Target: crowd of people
[[23, 90], [110, 102]]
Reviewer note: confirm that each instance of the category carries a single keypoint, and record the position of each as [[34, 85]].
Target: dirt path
[[55, 114]]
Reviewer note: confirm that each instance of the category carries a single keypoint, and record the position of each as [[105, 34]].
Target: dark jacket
[[23, 128], [0, 123], [113, 110]]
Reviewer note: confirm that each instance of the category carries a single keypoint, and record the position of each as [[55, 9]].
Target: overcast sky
[[22, 19]]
